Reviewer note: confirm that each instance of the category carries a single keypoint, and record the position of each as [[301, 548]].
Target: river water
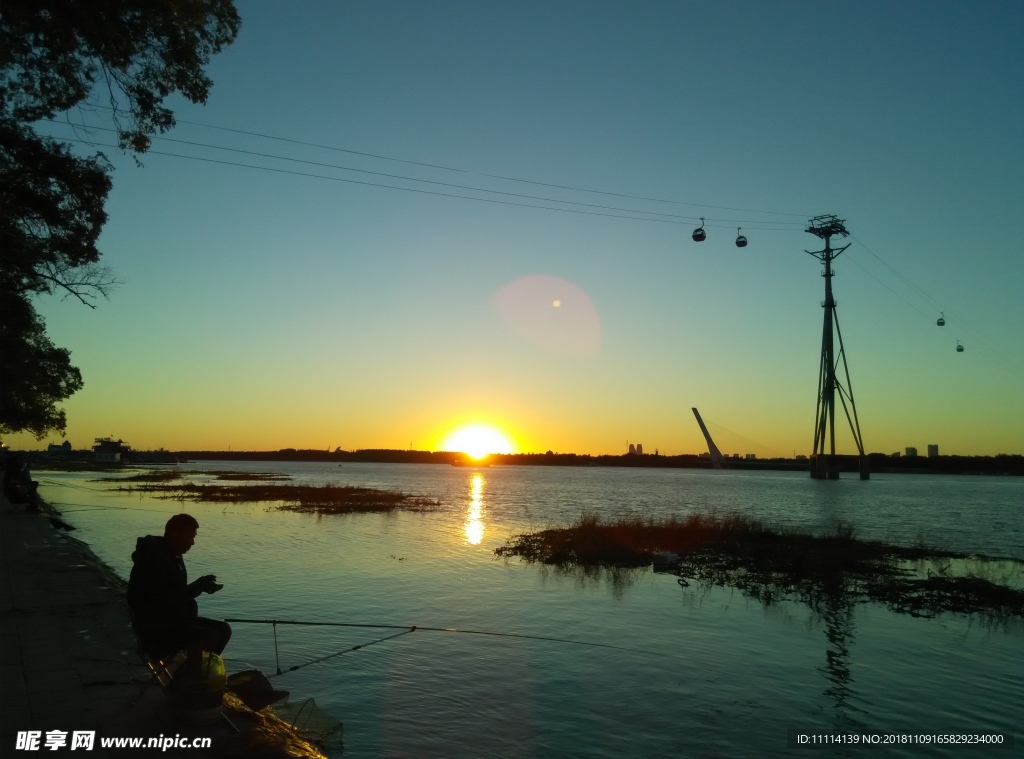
[[710, 673]]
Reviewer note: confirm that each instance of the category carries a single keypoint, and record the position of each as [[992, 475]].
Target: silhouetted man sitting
[[164, 603]]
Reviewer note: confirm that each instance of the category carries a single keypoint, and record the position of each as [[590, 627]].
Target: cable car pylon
[[824, 464]]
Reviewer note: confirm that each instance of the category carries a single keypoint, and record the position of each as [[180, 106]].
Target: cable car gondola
[[942, 319], [959, 348], [741, 241], [698, 234]]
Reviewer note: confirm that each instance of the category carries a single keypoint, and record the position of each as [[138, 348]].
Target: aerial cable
[[425, 181], [411, 189], [978, 336], [464, 171], [853, 260], [920, 291]]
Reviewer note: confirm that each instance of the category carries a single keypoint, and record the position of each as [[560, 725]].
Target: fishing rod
[[337, 653], [406, 629]]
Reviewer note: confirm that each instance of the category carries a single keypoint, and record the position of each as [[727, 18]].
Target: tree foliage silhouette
[[56, 55]]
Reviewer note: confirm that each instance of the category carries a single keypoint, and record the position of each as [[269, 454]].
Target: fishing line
[[90, 507], [276, 622], [337, 653], [86, 507], [57, 483]]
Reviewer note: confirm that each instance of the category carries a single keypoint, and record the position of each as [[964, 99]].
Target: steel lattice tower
[[823, 465]]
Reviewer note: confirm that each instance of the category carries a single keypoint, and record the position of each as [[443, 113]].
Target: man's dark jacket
[[158, 589]]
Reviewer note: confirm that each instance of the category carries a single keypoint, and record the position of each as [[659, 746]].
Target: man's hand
[[207, 584]]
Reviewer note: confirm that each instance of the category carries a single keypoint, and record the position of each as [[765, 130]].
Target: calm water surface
[[713, 674]]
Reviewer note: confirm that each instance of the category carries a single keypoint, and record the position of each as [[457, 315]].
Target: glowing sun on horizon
[[477, 440]]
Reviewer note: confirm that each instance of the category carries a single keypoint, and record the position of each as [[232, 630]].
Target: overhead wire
[[627, 213], [952, 317], [415, 189], [688, 219], [464, 171], [855, 262]]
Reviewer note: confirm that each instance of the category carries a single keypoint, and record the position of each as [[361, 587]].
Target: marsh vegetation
[[169, 475], [314, 499], [771, 563]]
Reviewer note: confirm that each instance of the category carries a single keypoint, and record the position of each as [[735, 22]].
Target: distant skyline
[[263, 310]]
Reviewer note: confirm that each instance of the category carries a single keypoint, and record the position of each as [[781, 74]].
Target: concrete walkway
[[67, 651]]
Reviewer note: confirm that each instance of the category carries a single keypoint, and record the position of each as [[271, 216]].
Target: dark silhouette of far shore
[[1003, 464]]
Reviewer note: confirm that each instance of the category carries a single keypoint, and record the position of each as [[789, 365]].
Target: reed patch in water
[[771, 563], [167, 475], [248, 476], [313, 499]]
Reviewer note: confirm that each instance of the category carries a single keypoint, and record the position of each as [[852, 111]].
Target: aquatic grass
[[55, 465], [769, 562], [166, 475], [248, 476], [633, 540], [152, 475], [322, 499]]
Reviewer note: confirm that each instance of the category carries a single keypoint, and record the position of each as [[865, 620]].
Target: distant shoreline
[[1002, 465], [880, 463]]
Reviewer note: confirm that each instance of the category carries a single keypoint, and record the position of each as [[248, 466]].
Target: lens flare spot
[[552, 313]]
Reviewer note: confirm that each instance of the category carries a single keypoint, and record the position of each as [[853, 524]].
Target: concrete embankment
[[68, 657]]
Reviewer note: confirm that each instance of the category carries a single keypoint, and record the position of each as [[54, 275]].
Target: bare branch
[[83, 282]]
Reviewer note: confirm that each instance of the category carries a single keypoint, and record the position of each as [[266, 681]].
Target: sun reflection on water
[[474, 522]]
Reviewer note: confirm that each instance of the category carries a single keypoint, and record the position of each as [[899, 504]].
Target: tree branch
[[85, 282]]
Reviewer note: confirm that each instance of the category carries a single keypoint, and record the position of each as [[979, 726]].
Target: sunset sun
[[477, 440]]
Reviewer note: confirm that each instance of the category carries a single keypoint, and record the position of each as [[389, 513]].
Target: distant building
[[109, 451], [897, 455], [750, 456], [62, 451], [911, 453], [639, 449], [632, 449], [933, 451]]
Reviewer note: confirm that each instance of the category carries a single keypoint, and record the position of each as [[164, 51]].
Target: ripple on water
[[724, 675]]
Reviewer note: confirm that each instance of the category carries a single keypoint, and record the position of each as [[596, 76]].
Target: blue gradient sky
[[263, 310]]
